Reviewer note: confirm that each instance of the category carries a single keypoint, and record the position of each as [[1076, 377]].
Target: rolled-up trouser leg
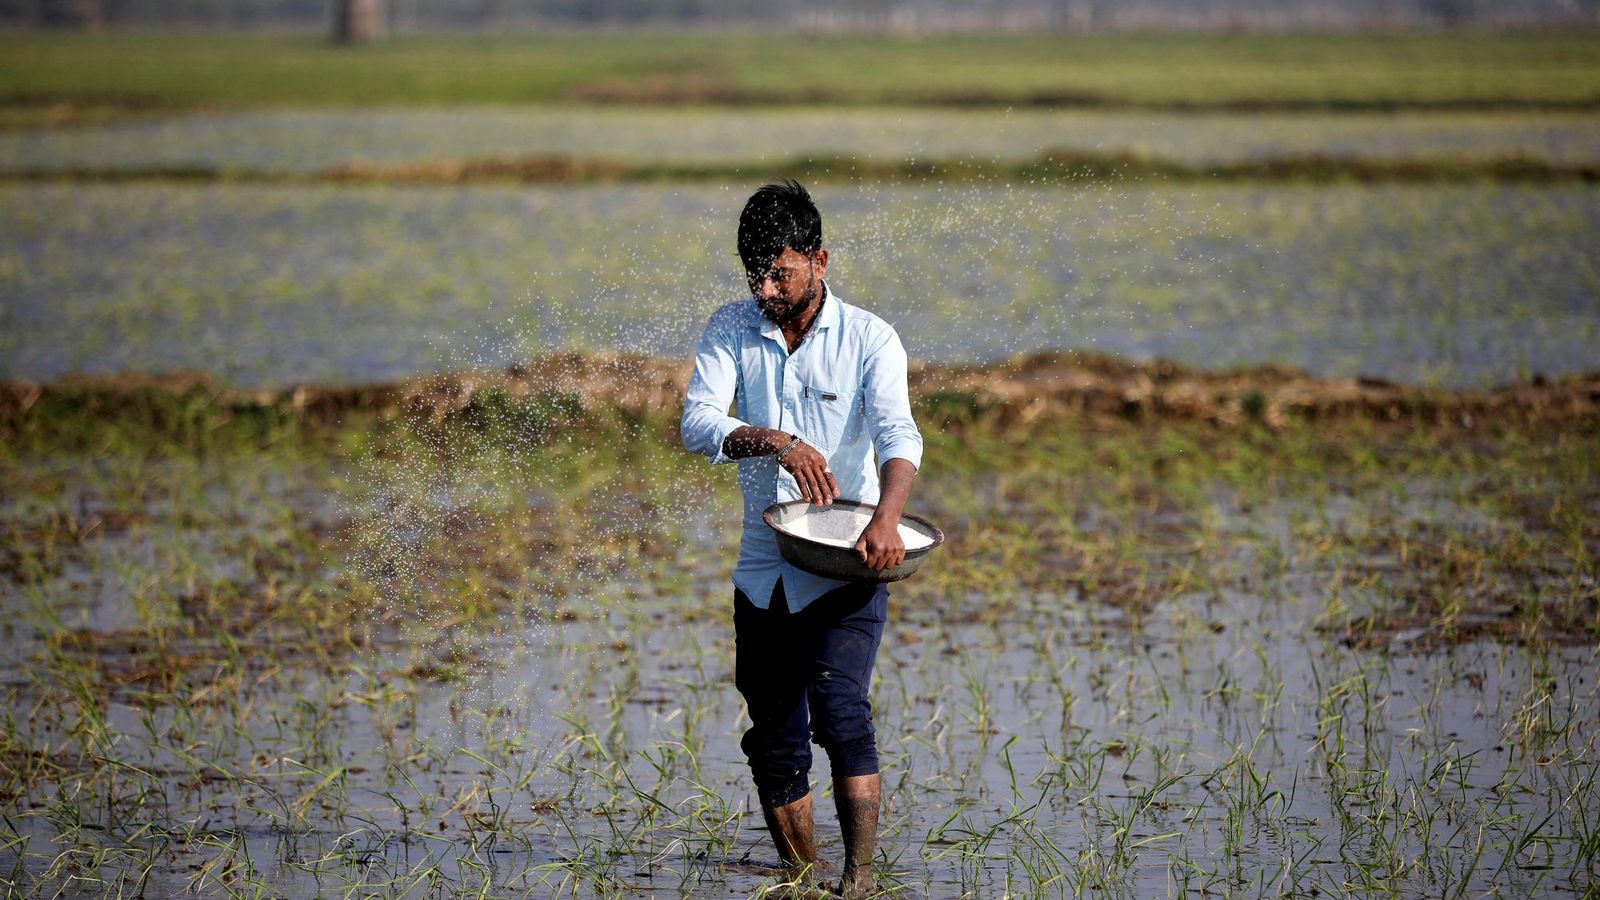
[[770, 671], [812, 665], [850, 630]]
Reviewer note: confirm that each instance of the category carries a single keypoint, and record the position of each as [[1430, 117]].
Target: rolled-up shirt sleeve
[[706, 424], [888, 404]]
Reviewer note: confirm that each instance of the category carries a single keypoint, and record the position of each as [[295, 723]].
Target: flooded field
[[1256, 591], [305, 141], [493, 653], [1450, 285]]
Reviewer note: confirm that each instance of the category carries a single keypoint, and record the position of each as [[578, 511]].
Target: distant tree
[[87, 15], [492, 14], [358, 21], [1451, 13], [1099, 14], [1386, 13]]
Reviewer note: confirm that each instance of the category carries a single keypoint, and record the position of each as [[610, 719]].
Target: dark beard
[[806, 300]]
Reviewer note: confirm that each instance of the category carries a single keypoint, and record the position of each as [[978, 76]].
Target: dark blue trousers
[[804, 676]]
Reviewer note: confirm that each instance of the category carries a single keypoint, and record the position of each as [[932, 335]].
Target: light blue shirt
[[843, 391]]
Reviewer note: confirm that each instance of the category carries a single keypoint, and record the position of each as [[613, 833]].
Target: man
[[820, 387]]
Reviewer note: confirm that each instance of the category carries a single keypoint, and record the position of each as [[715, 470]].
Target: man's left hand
[[880, 546]]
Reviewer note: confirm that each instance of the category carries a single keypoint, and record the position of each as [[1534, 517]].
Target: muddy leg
[[857, 799], [791, 829]]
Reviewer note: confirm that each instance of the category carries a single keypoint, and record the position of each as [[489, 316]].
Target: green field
[[167, 70]]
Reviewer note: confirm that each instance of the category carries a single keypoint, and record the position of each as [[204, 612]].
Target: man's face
[[790, 286]]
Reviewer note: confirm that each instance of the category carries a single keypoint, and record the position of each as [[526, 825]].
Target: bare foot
[[856, 883]]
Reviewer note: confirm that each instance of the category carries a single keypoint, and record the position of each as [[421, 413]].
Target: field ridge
[[1051, 165], [1016, 392]]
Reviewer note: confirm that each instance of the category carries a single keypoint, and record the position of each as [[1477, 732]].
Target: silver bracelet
[[787, 447]]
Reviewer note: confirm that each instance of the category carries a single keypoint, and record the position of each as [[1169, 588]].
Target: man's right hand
[[810, 470]]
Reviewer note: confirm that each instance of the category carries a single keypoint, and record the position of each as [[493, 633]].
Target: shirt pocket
[[826, 412]]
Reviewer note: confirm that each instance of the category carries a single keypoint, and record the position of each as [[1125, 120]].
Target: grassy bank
[[1034, 439], [144, 71], [1023, 449]]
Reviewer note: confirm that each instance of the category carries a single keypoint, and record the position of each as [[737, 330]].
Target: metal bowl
[[832, 561]]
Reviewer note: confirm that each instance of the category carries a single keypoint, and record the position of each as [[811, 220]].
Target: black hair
[[777, 216]]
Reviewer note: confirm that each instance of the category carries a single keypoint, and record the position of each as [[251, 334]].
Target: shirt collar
[[828, 317]]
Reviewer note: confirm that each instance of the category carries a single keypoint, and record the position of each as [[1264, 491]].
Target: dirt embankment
[[1065, 165], [1057, 384], [696, 89], [1019, 391]]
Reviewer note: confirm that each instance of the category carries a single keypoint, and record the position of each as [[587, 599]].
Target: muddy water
[[1176, 698], [1033, 742]]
